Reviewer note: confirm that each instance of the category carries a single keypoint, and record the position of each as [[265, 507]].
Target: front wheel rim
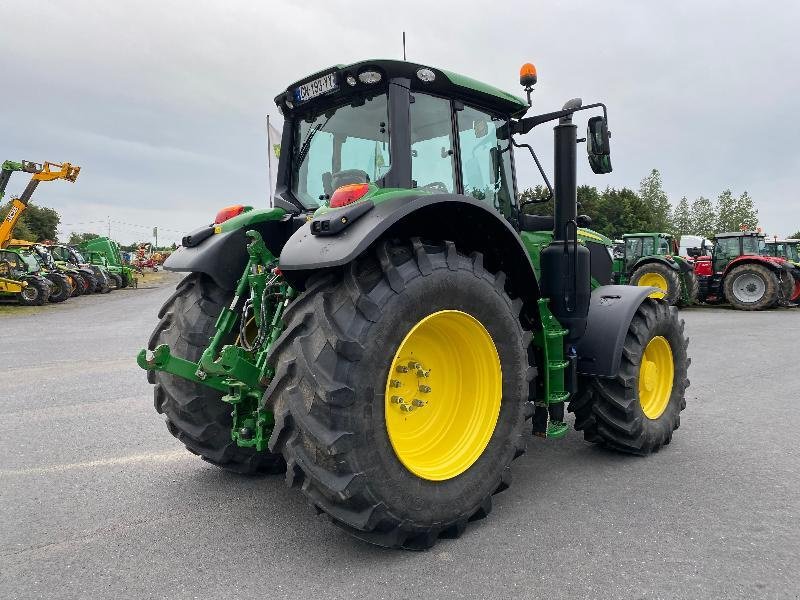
[[749, 288], [655, 280], [443, 395], [656, 373], [29, 292]]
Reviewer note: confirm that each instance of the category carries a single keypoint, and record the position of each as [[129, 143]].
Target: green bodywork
[[105, 253]]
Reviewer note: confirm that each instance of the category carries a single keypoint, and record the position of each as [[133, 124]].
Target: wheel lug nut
[[398, 400], [407, 407], [418, 402], [414, 365], [395, 383], [402, 369], [425, 389], [422, 373]]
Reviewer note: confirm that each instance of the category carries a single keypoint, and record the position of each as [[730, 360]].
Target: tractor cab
[[731, 245], [637, 245], [786, 248], [371, 129]]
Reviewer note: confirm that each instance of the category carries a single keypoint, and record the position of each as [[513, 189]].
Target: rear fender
[[611, 311], [222, 254], [656, 259], [472, 225], [769, 262]]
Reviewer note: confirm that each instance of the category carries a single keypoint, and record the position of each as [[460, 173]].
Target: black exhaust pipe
[[565, 264]]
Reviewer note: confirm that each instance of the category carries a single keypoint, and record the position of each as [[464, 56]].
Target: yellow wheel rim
[[655, 280], [656, 372], [443, 394]]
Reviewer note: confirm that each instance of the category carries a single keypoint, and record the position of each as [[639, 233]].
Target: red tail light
[[347, 194], [228, 213]]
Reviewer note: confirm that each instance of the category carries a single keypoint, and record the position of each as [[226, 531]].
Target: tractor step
[[557, 429]]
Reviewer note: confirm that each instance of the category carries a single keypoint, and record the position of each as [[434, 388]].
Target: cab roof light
[[347, 194]]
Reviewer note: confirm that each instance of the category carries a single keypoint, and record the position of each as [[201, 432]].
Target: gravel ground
[[99, 501]]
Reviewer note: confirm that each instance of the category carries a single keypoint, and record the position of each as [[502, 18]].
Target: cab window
[[486, 159], [648, 247], [432, 161], [663, 246]]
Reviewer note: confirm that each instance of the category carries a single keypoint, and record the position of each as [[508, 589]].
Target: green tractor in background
[[783, 248], [651, 260], [98, 278], [105, 252], [393, 329]]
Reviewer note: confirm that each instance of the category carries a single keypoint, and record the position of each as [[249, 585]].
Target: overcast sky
[[163, 104]]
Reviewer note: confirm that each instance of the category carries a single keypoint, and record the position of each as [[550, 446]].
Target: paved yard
[[99, 501]]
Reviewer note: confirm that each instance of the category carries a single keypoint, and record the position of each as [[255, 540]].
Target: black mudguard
[[672, 264], [470, 223], [611, 311], [223, 256]]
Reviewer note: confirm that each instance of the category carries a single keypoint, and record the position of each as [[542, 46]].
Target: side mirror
[[598, 146]]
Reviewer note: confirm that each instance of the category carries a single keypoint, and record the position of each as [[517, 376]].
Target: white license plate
[[315, 88]]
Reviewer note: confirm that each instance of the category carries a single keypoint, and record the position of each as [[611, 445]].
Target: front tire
[[195, 413], [61, 287], [751, 287], [35, 293], [335, 394], [634, 412], [662, 277]]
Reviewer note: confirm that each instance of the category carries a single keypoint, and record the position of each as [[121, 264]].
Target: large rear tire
[[350, 354], [195, 413], [637, 411], [751, 287], [661, 276]]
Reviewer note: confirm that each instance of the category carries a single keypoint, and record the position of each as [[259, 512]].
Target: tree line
[[37, 223], [615, 212]]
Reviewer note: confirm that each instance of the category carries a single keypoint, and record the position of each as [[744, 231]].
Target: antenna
[[404, 45]]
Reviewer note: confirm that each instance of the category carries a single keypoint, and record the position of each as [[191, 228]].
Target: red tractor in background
[[739, 272]]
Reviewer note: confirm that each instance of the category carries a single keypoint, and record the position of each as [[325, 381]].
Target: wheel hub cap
[[656, 373], [443, 395], [749, 287], [655, 280]]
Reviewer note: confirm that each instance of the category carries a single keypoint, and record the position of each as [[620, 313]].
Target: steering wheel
[[436, 186]]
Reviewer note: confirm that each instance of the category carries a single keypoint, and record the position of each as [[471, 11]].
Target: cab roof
[[730, 234], [445, 83], [628, 235]]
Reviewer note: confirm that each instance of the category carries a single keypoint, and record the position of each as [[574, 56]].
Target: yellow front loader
[[41, 172]]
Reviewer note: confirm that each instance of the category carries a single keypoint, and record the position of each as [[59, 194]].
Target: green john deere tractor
[[383, 333], [652, 260], [98, 278], [105, 252]]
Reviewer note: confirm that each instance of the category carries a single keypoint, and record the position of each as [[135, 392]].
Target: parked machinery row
[[741, 268]]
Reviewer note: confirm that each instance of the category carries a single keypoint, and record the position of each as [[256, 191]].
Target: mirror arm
[[523, 126], [541, 170]]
